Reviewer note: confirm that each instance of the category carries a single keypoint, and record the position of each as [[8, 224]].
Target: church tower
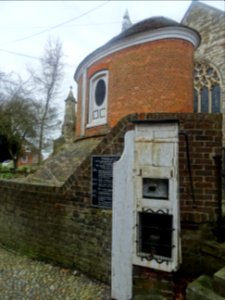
[[68, 127]]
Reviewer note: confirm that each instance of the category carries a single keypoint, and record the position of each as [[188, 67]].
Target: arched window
[[98, 97], [206, 88]]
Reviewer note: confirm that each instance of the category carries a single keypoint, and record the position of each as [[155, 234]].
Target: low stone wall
[[58, 223]]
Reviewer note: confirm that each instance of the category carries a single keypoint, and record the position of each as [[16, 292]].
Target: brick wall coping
[[156, 121], [58, 169], [20, 186], [89, 146]]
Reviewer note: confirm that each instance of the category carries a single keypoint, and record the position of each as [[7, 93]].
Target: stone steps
[[149, 297], [207, 288], [219, 282]]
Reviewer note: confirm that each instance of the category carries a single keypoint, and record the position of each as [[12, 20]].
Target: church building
[[134, 195]]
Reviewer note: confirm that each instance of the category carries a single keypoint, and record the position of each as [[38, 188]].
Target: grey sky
[[26, 25]]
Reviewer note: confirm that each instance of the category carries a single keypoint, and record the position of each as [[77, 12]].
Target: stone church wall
[[210, 23], [59, 224]]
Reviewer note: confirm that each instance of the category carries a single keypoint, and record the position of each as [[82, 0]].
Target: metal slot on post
[[155, 235], [155, 188]]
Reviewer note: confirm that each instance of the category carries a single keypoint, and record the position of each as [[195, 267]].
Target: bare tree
[[27, 110], [46, 82]]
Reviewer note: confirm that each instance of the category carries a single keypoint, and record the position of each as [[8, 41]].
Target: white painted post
[[123, 222]]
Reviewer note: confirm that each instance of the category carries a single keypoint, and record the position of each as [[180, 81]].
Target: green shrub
[[6, 175]]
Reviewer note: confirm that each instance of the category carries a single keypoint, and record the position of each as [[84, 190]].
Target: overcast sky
[[82, 26]]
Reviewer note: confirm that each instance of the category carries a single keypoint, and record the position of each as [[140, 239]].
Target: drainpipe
[[192, 194]]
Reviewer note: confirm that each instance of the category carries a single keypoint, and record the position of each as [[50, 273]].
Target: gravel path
[[25, 279]]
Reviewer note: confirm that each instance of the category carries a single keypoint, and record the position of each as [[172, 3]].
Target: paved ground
[[25, 279]]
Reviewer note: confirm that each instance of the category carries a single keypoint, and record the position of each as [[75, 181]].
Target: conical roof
[[146, 26], [70, 95]]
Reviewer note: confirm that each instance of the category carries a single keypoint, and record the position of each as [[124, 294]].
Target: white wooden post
[[122, 240]]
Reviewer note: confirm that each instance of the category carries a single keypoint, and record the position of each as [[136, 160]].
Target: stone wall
[[58, 223], [210, 23]]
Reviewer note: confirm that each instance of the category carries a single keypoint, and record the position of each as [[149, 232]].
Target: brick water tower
[[148, 67]]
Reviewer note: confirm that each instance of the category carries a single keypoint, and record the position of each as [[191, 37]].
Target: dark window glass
[[155, 188], [195, 101], [216, 98], [207, 78], [100, 92], [209, 71], [205, 100], [156, 234]]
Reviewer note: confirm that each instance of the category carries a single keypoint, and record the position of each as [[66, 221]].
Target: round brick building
[[146, 68]]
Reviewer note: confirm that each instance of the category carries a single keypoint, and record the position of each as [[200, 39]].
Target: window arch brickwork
[[207, 88], [98, 98]]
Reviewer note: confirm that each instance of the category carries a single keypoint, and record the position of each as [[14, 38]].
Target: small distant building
[[29, 155]]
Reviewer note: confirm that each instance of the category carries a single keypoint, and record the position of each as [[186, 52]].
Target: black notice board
[[102, 176]]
